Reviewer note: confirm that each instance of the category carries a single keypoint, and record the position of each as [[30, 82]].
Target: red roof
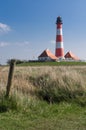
[[71, 55], [48, 53]]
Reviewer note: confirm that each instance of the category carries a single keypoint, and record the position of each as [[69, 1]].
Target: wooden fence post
[[10, 77]]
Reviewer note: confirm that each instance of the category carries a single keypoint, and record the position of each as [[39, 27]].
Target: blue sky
[[27, 27]]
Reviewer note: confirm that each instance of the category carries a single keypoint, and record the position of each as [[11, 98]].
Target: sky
[[27, 27]]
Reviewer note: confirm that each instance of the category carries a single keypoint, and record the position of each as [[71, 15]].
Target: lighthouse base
[[59, 53]]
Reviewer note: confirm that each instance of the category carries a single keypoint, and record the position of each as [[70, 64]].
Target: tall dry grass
[[50, 83]]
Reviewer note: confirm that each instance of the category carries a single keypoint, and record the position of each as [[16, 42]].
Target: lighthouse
[[59, 50]]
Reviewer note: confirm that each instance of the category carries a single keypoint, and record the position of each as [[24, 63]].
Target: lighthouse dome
[[59, 20]]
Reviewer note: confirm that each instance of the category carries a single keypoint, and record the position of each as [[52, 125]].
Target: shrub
[[66, 87]]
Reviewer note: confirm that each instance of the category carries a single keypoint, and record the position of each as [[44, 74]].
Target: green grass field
[[44, 98], [43, 116]]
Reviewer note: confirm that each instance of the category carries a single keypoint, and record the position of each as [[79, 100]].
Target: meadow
[[44, 97]]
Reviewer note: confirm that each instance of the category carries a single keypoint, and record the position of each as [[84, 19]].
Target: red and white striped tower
[[59, 51]]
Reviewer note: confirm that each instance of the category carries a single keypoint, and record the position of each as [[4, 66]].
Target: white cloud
[[20, 44], [53, 41], [4, 28], [24, 43], [3, 44]]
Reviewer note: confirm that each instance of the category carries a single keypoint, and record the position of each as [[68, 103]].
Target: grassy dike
[[44, 97], [59, 63]]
